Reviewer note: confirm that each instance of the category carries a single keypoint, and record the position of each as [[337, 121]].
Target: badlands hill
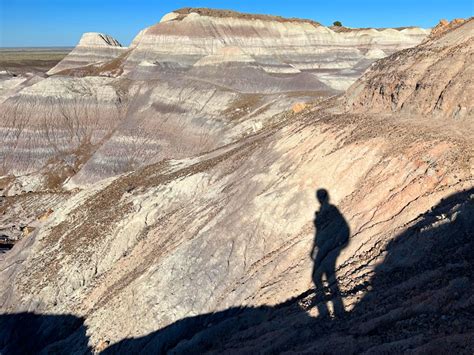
[[164, 200], [191, 83], [92, 48], [275, 44], [434, 78]]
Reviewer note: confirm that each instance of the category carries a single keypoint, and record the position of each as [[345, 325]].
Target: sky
[[38, 23]]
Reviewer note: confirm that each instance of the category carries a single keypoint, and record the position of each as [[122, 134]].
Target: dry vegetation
[[18, 60], [229, 13]]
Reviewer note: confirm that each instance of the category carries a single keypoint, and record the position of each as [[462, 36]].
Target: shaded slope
[[29, 333], [419, 300]]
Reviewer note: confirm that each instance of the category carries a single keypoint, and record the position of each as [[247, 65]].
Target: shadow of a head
[[322, 195]]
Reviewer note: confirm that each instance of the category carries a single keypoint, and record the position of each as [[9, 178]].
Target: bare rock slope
[[278, 45], [434, 78], [92, 48]]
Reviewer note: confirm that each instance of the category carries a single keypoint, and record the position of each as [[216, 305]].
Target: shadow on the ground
[[420, 297], [29, 333], [331, 236]]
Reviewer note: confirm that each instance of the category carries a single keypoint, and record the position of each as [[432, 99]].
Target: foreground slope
[[234, 228]]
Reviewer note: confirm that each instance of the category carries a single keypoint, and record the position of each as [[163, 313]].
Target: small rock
[[298, 107]]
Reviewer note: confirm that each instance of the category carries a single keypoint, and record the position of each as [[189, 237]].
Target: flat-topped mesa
[[276, 44], [93, 48], [433, 79]]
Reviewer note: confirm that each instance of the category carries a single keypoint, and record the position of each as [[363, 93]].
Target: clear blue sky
[[26, 23]]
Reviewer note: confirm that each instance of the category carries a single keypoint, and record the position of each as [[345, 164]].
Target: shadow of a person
[[331, 236]]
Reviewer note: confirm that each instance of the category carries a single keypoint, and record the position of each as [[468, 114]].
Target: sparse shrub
[[337, 23]]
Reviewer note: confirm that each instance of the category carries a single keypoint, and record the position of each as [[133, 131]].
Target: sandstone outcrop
[[444, 26], [434, 78]]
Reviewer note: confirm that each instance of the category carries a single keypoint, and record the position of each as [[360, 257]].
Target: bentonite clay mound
[[92, 48]]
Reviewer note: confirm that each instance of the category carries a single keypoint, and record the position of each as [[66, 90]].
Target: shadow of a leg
[[320, 295], [336, 296]]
